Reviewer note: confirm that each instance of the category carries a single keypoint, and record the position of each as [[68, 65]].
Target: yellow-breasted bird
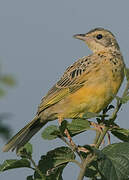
[[88, 85]]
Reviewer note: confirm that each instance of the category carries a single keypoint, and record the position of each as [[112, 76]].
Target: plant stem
[[75, 149], [102, 136], [97, 137], [111, 120], [36, 168], [76, 162], [126, 90], [85, 164]]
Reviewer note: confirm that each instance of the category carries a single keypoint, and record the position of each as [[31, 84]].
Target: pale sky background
[[36, 46]]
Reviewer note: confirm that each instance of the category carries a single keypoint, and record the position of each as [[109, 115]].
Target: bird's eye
[[99, 36]]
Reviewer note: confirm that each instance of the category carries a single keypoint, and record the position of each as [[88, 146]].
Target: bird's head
[[99, 39]]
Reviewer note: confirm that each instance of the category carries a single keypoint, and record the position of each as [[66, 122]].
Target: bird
[[88, 85]]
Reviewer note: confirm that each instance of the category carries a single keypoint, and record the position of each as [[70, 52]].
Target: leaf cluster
[[112, 162], [6, 80]]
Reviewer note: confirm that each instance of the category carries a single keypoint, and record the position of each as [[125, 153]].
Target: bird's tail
[[24, 135]]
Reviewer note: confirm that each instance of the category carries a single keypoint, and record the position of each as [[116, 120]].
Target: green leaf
[[126, 70], [91, 170], [53, 174], [4, 131], [121, 133], [59, 156], [78, 126], [125, 99], [7, 80], [25, 151], [28, 148], [14, 163], [2, 92], [110, 107], [50, 132], [54, 162], [63, 126], [115, 162], [89, 115], [29, 178]]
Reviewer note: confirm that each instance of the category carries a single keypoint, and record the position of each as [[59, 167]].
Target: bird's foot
[[100, 127], [66, 132]]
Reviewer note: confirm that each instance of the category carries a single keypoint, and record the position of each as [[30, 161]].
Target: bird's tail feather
[[24, 135]]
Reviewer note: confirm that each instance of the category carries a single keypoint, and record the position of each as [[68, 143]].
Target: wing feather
[[71, 81]]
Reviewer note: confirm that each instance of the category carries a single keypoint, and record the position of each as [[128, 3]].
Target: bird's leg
[[97, 126], [100, 129], [60, 119], [109, 139]]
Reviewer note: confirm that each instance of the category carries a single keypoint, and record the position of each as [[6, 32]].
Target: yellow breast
[[94, 96]]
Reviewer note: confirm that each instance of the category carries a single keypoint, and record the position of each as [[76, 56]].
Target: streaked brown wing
[[70, 82]]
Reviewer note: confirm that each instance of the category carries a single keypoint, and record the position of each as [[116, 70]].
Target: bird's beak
[[80, 36]]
